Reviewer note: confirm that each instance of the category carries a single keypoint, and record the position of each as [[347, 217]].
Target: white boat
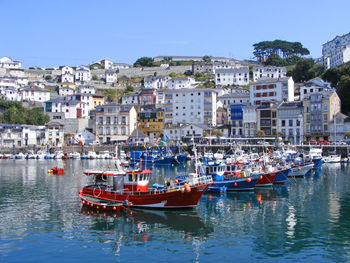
[[31, 155], [104, 155], [75, 155], [300, 170], [91, 155], [19, 156], [333, 158], [40, 155], [58, 155]]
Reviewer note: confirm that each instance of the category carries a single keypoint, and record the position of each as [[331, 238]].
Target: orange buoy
[[299, 169], [249, 180], [261, 177], [235, 184]]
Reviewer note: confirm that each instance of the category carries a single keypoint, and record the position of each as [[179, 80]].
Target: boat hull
[[177, 198], [237, 184], [300, 170], [266, 179], [281, 176]]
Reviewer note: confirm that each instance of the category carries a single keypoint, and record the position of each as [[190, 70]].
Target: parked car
[[341, 142], [324, 143], [94, 143]]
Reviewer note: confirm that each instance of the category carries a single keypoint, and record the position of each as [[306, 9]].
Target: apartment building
[[269, 72], [232, 76]]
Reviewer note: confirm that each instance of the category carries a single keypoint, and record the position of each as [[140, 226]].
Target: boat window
[[130, 177], [207, 170]]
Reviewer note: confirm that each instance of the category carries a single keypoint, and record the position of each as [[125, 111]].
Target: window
[[325, 127], [290, 122], [325, 107], [325, 117], [123, 131], [283, 123], [298, 122]]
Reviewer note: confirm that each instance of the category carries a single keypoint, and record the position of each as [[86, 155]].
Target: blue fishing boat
[[281, 176]]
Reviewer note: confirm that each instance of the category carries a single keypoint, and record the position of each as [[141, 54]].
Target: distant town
[[177, 99]]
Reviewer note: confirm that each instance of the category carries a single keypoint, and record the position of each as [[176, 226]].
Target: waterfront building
[[314, 86], [151, 122], [319, 110], [338, 126], [267, 117], [232, 76], [185, 132], [271, 90], [84, 137], [114, 122], [181, 83], [336, 52], [82, 74], [138, 137], [156, 82], [18, 135], [54, 134], [249, 120], [221, 116], [291, 121], [196, 106], [111, 76], [268, 72], [10, 94], [8, 63], [236, 120]]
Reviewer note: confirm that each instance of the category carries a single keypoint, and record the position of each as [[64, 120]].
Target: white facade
[[54, 134], [21, 135], [185, 130], [6, 62], [82, 74], [111, 76], [85, 137], [107, 63], [156, 82], [249, 121], [8, 83], [269, 72], [232, 76], [10, 94], [65, 91], [35, 94], [72, 109], [196, 106], [290, 121], [181, 83], [336, 51], [87, 89], [272, 89], [67, 74], [314, 86], [117, 66], [238, 96], [132, 98]]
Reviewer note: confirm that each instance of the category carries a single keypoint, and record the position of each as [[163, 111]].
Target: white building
[[10, 94], [65, 91], [85, 137], [290, 118], [249, 121], [131, 98], [6, 62], [336, 52], [156, 82], [107, 63], [196, 106], [338, 126], [111, 76], [82, 74], [181, 83], [314, 86], [237, 96], [72, 109], [232, 76], [269, 72], [35, 94], [185, 131], [67, 74], [87, 89], [271, 90], [118, 66], [21, 135], [8, 83]]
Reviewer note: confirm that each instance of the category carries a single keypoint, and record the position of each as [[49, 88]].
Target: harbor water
[[42, 220]]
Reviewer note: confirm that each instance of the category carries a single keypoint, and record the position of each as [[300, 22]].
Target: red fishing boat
[[267, 179], [113, 188]]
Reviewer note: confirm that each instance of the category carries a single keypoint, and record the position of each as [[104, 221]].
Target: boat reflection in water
[[140, 223]]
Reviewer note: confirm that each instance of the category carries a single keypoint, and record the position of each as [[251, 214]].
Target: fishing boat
[[40, 155], [132, 189], [91, 155], [75, 155], [58, 155], [31, 155], [299, 169], [333, 158], [315, 154], [20, 155], [281, 176]]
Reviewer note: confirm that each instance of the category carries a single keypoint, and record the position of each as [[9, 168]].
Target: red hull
[[158, 199], [266, 179]]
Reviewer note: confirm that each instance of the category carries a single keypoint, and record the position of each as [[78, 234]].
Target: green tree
[[303, 70], [343, 90], [94, 77], [217, 133], [144, 62], [172, 74], [48, 77], [129, 89], [206, 59], [275, 60], [260, 133], [347, 134]]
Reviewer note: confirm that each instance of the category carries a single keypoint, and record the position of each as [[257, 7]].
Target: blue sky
[[76, 32]]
